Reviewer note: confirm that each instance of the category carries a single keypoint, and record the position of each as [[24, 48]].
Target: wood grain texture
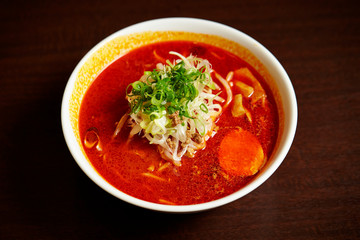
[[315, 194]]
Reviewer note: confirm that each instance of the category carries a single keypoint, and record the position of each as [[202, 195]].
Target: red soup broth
[[135, 167]]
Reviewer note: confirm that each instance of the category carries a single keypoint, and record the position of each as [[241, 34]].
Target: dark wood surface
[[314, 194]]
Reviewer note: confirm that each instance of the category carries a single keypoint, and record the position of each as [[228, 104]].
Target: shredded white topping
[[174, 134]]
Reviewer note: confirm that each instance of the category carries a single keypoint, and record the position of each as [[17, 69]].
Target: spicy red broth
[[135, 167]]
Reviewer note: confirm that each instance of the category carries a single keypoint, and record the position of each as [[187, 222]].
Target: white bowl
[[288, 106]]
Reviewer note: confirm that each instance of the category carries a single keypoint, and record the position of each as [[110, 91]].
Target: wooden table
[[315, 194]]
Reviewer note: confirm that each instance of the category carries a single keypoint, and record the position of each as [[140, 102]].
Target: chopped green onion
[[170, 89], [204, 108]]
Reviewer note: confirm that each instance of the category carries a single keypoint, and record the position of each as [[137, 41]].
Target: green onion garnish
[[170, 89]]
